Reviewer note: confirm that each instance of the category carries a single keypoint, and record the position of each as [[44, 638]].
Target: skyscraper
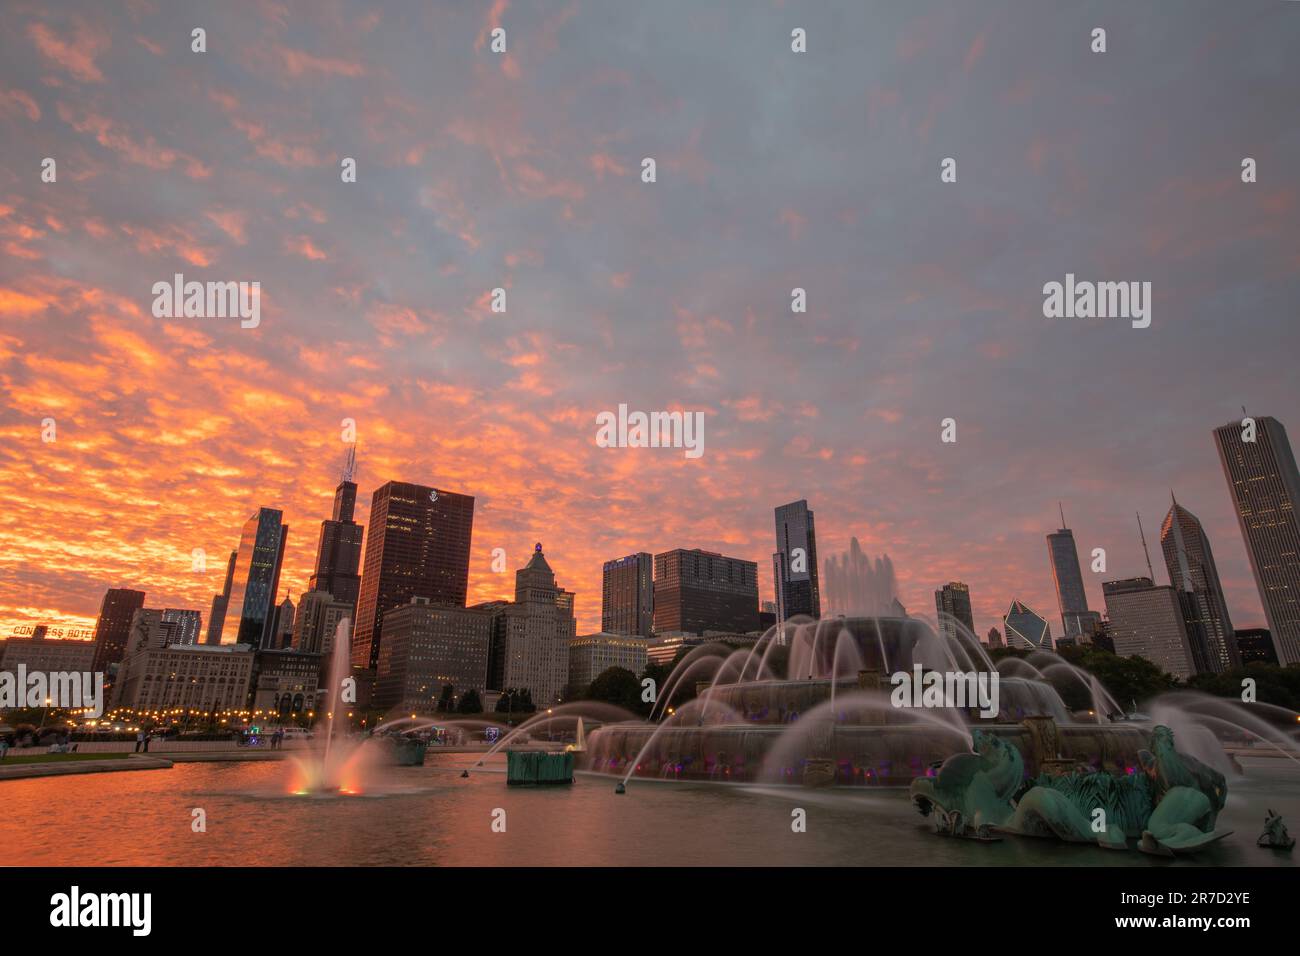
[[114, 625], [1265, 486], [1025, 629], [794, 565], [255, 580], [1191, 570], [952, 605], [217, 616], [419, 539], [1077, 622], [338, 555], [627, 595], [1149, 621], [698, 591]]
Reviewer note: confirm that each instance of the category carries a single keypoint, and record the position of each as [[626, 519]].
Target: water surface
[[430, 816]]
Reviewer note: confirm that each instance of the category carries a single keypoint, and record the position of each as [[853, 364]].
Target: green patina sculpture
[[1170, 807], [1275, 835], [972, 792]]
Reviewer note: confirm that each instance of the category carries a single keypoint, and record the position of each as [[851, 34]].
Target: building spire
[[1061, 508], [350, 463]]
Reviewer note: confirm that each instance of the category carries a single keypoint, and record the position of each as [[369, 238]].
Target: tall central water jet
[[337, 767]]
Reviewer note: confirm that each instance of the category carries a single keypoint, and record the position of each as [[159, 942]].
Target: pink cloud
[[77, 56]]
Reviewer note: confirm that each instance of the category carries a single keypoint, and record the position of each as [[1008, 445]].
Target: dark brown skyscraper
[[338, 556], [698, 591], [114, 625], [418, 546]]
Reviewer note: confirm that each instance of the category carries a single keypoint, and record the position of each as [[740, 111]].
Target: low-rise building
[[206, 678], [45, 654], [285, 683], [592, 654]]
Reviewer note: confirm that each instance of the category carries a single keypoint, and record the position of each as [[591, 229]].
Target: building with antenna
[[1077, 622], [338, 554]]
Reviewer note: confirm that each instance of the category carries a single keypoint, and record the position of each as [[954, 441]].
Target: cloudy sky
[[521, 170]]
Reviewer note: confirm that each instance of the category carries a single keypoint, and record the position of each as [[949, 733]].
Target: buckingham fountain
[[811, 704]]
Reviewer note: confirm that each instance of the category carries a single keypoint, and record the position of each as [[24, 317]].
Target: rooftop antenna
[[1062, 510], [350, 462], [1150, 573]]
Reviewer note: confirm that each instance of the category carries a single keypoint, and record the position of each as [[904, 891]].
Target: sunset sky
[[522, 170]]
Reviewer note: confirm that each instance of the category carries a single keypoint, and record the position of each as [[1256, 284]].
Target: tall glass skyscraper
[[1191, 571], [794, 565], [418, 546], [1077, 622], [1265, 487], [256, 579], [217, 616]]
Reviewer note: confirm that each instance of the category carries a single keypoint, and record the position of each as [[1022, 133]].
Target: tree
[[444, 702], [1273, 685], [618, 686], [470, 703]]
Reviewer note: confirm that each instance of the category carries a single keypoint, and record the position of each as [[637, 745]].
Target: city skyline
[[924, 298], [585, 615]]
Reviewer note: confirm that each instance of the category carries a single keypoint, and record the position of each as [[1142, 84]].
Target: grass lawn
[[56, 758]]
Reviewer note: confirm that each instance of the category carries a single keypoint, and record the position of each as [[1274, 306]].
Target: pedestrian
[[4, 746], [146, 741], [139, 740]]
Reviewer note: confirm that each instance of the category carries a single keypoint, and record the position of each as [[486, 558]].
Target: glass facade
[[794, 575], [250, 607]]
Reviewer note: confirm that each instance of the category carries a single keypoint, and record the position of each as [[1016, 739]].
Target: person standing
[[139, 739]]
